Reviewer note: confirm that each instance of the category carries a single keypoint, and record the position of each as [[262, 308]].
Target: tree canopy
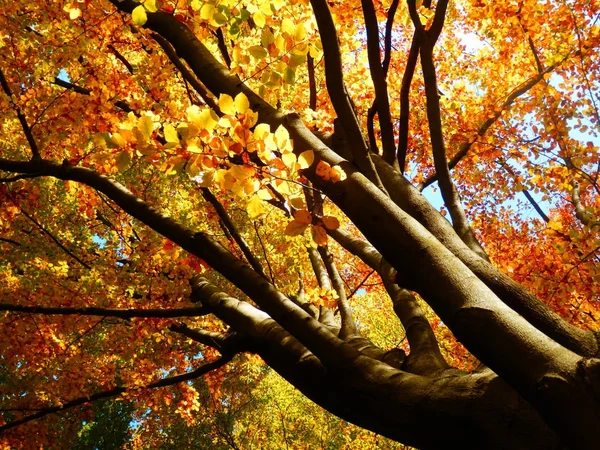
[[392, 205]]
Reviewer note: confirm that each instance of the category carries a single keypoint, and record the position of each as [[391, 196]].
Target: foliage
[[214, 211]]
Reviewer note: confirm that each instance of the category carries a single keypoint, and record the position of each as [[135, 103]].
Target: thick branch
[[425, 356]]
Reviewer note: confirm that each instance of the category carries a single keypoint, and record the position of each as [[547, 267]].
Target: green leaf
[[139, 15]]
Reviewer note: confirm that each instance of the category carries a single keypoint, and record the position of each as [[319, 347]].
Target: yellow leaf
[[74, 13], [295, 228], [306, 159], [287, 26], [319, 235], [241, 103], [207, 11], [171, 134], [151, 5], [139, 15], [261, 131], [255, 207], [289, 159], [259, 19], [226, 104], [331, 223], [146, 126], [264, 194]]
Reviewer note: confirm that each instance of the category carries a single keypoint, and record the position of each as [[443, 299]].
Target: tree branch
[[336, 87], [378, 75], [348, 326], [56, 241], [169, 381], [409, 71], [106, 312], [514, 95], [186, 73], [241, 242], [35, 151]]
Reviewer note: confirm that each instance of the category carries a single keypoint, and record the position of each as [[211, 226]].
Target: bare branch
[[121, 58], [312, 85], [84, 91]]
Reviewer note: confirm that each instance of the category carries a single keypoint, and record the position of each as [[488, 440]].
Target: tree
[[270, 163]]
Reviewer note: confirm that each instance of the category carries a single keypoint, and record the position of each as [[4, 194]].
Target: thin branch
[[312, 85], [526, 193], [378, 76], [22, 119], [169, 381], [232, 228], [348, 326], [449, 192], [106, 312], [121, 58], [186, 73], [389, 25], [56, 241], [265, 255], [10, 241], [510, 99], [84, 91], [409, 71], [223, 47], [336, 88]]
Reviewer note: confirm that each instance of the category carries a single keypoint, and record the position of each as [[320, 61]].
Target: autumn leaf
[[139, 15], [319, 235]]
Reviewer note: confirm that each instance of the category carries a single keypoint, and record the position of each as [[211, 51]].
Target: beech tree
[[190, 190]]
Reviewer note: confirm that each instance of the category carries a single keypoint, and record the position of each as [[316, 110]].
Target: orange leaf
[[319, 235], [303, 216], [295, 228], [331, 223]]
